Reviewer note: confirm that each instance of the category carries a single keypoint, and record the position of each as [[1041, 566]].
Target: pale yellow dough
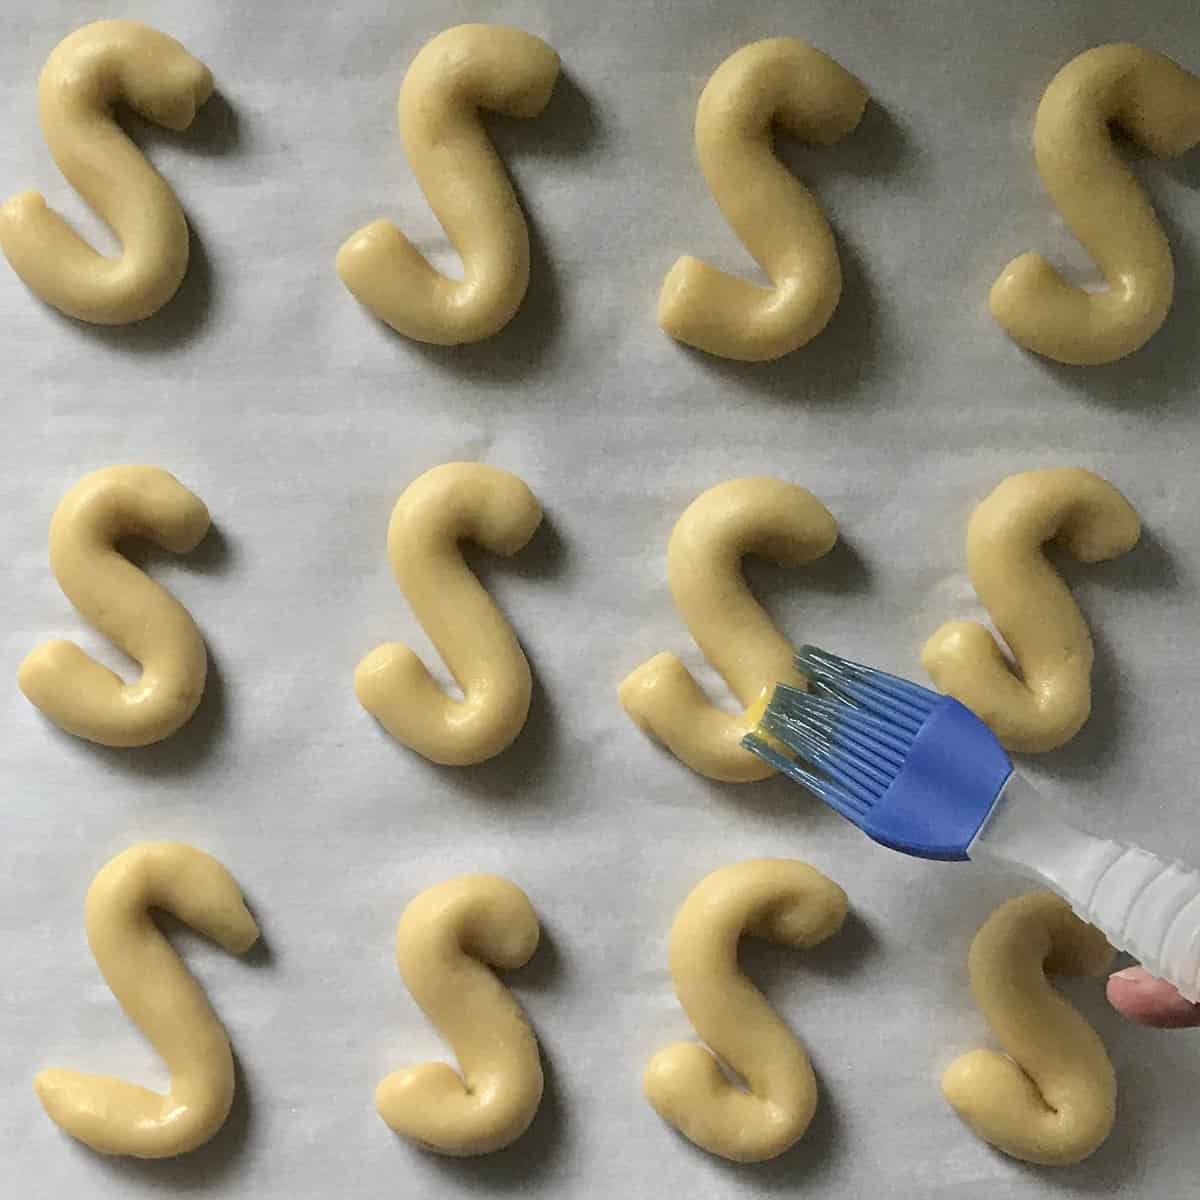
[[87, 74], [1031, 606], [444, 506], [1051, 1098], [126, 605], [161, 998], [462, 70], [445, 937], [1157, 103], [784, 82], [767, 517], [783, 901]]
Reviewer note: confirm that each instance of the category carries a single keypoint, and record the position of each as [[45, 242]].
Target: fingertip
[[1139, 996]]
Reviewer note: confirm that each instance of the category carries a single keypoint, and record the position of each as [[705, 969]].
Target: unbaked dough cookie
[[160, 996], [462, 70], [1031, 606], [1051, 1097], [74, 690], [86, 75], [785, 82], [1157, 103], [783, 901], [448, 938], [446, 505], [767, 517]]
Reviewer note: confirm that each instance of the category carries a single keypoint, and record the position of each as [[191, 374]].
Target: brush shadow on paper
[[1104, 738]]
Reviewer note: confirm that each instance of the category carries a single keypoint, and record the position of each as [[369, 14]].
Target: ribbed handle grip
[[1147, 906]]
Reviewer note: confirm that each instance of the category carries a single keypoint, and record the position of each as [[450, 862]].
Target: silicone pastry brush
[[918, 772]]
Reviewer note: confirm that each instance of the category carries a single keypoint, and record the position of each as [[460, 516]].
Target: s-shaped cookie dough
[[1031, 606], [1051, 1097], [444, 506], [161, 998], [462, 70], [447, 940], [785, 82], [776, 520], [86, 75], [1157, 103], [74, 690], [782, 901]]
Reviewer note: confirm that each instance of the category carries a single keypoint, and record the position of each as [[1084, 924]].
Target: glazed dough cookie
[[782, 901], [444, 506], [162, 999], [444, 939], [785, 82], [1157, 103], [1031, 606], [127, 606], [767, 517], [87, 74], [461, 71], [1051, 1097]]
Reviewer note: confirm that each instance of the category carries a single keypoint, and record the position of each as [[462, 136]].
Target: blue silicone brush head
[[914, 770]]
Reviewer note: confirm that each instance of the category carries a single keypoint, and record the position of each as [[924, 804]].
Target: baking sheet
[[299, 419]]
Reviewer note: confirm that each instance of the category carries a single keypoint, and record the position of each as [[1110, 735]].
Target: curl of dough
[[1031, 606], [780, 81], [1051, 1097], [79, 694], [445, 505], [444, 938], [778, 521], [462, 70], [160, 996], [783, 901], [88, 73], [1157, 103]]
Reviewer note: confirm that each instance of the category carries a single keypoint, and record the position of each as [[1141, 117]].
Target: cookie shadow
[[1104, 738]]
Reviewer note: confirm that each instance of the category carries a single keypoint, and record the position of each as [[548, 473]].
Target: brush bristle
[[850, 735]]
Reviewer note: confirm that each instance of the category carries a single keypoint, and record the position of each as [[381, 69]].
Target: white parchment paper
[[299, 419]]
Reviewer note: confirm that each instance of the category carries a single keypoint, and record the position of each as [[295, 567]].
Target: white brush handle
[[1150, 907], [1145, 905]]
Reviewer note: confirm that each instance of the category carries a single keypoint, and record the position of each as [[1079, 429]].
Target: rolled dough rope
[[1031, 606], [1157, 103], [445, 937], [160, 996], [785, 82], [462, 70], [782, 901], [127, 606], [87, 73], [1051, 1097], [778, 521], [445, 505]]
